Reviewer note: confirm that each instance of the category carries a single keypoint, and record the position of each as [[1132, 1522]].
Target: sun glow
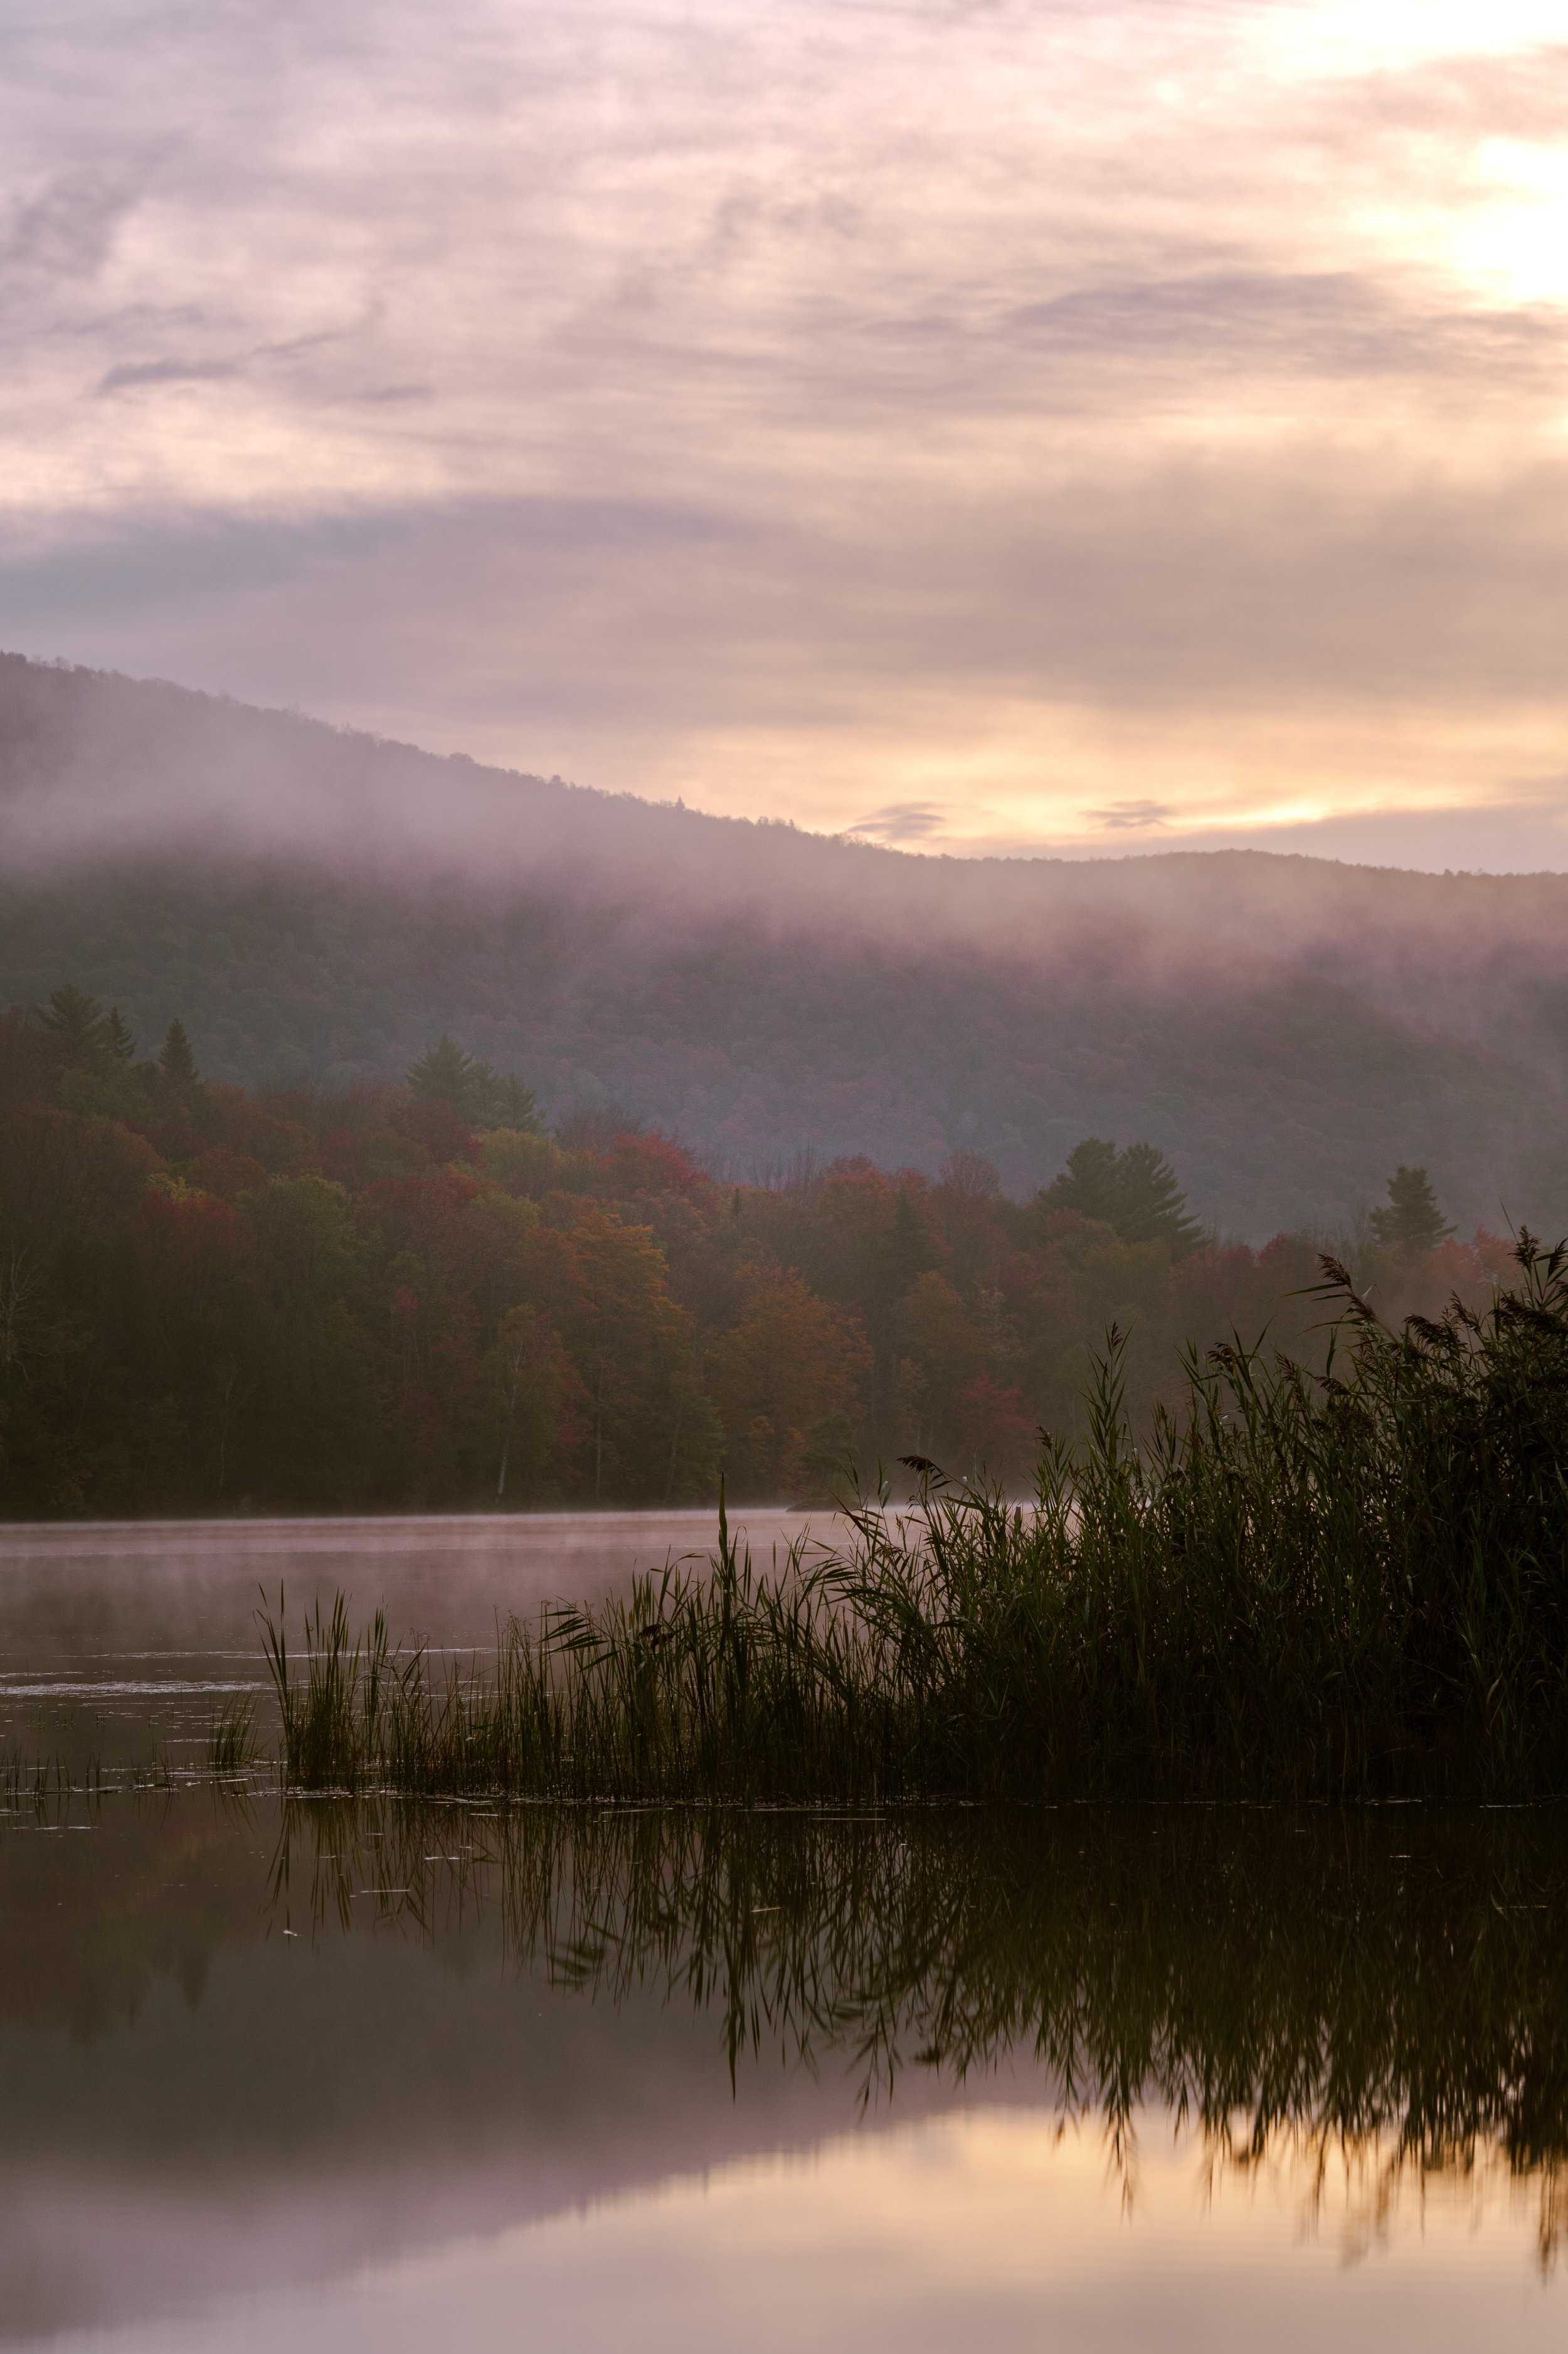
[[1087, 426], [1355, 37], [1515, 239]]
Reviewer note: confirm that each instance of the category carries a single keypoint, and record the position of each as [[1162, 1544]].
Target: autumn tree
[[649, 1433], [316, 1300], [788, 1382], [200, 1352], [524, 1163], [319, 1429], [942, 1352], [975, 1219], [881, 1234], [527, 1379]]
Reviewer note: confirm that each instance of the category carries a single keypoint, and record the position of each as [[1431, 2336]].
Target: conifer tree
[[1088, 1183], [175, 1058], [1134, 1192], [476, 1091], [83, 1027], [1410, 1224], [444, 1075], [1153, 1206], [501, 1099]]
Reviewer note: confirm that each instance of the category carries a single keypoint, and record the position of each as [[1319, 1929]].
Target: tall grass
[[1347, 1583], [231, 1737]]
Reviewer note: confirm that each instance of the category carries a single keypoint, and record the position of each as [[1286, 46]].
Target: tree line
[[418, 1297]]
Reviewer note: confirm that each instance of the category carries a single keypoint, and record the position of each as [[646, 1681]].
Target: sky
[[1091, 427]]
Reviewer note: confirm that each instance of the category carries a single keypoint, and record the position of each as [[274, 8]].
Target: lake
[[286, 2072]]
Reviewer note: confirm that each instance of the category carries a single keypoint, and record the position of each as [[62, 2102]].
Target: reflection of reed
[[1386, 1993]]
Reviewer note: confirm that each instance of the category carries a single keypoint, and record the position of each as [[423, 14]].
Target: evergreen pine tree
[[500, 1099], [83, 1027], [175, 1059], [444, 1075], [1133, 1191], [476, 1091], [1410, 1224], [1153, 1206], [1088, 1183]]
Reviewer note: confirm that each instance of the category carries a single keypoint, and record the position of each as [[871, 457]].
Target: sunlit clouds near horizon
[[1101, 427]]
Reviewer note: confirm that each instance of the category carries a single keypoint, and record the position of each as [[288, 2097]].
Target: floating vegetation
[[1343, 1583], [41, 1784]]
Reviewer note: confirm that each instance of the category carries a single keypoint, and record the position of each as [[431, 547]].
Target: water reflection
[[315, 2076], [1390, 1984], [313, 2073]]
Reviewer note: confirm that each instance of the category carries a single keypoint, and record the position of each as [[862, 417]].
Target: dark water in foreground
[[303, 2075]]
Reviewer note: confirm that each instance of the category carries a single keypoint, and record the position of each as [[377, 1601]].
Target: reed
[[1349, 1582], [231, 1740]]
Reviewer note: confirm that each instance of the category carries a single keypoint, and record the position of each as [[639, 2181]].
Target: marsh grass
[[1349, 1582], [232, 1738]]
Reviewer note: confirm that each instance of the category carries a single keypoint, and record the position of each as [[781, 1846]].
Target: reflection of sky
[[1016, 420], [987, 2229]]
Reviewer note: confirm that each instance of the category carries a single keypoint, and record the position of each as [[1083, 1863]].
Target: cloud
[[1301, 324], [788, 410], [901, 821], [1132, 817], [67, 229], [388, 393], [132, 374]]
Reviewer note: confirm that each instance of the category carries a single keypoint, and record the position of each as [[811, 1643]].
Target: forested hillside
[[414, 1295], [317, 906]]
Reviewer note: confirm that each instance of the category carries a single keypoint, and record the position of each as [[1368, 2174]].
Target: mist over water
[[120, 1643]]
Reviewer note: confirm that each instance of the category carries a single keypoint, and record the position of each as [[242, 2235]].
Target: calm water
[[300, 2075], [116, 1641]]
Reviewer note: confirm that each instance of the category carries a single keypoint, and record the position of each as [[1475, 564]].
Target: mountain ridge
[[317, 905]]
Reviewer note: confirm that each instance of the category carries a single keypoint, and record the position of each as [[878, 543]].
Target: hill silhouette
[[319, 906]]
